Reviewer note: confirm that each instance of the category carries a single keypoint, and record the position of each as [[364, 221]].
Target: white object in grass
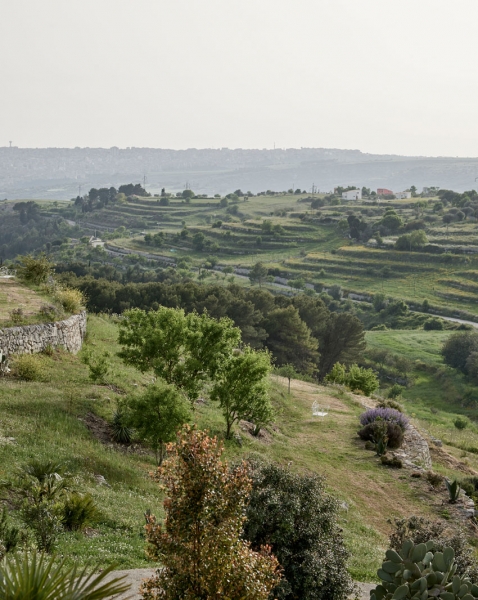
[[319, 411]]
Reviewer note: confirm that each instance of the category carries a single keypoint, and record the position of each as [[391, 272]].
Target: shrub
[[394, 433], [460, 423], [296, 516], [71, 299], [17, 315], [434, 479], [44, 518], [386, 414], [48, 310], [38, 576], [28, 367], [357, 378], [433, 324], [420, 530], [362, 379], [98, 365], [78, 511], [458, 347], [9, 534], [35, 270], [390, 404], [337, 374], [395, 391], [391, 461], [200, 545]]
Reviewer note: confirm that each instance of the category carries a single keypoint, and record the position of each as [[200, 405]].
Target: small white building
[[403, 195], [352, 195], [96, 242]]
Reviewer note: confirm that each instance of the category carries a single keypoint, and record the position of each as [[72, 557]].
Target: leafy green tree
[[200, 544], [157, 415], [199, 240], [241, 389], [183, 350], [288, 372], [296, 516], [379, 301], [290, 340], [343, 341], [187, 194], [35, 269], [362, 380], [337, 374], [458, 347], [412, 241], [471, 366], [313, 312], [392, 221], [258, 273]]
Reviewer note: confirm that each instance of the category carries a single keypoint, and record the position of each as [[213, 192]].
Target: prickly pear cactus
[[420, 573]]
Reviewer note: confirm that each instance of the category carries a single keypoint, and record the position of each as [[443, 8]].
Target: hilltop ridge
[[59, 173]]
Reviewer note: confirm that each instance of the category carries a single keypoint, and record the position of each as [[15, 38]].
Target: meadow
[[47, 419]]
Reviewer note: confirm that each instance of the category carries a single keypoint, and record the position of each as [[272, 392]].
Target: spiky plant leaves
[[38, 577]]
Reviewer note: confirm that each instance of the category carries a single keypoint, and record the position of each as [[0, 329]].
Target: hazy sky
[[395, 76]]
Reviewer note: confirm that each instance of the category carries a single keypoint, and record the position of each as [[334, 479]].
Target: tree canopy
[[184, 350]]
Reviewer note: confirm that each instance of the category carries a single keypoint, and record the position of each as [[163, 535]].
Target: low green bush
[[78, 511], [372, 433], [296, 516], [28, 367], [72, 300], [358, 379]]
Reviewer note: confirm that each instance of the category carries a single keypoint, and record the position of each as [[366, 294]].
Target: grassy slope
[[435, 398], [45, 419]]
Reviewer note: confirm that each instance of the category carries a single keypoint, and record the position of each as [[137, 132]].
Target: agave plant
[[120, 431], [38, 577], [454, 489]]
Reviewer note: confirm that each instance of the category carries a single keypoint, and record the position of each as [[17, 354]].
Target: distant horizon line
[[226, 148]]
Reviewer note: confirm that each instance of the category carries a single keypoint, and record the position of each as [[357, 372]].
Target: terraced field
[[297, 242]]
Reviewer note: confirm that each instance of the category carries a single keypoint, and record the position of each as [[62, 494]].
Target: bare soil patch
[[101, 430]]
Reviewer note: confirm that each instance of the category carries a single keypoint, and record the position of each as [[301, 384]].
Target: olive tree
[[241, 389], [183, 350]]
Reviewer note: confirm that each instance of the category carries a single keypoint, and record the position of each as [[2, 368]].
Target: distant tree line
[[96, 199], [300, 331]]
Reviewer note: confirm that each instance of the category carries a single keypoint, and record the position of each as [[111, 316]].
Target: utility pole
[[144, 181]]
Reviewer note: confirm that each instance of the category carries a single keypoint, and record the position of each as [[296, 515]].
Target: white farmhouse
[[403, 195], [352, 195]]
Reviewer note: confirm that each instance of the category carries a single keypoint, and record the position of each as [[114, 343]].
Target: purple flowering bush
[[385, 414]]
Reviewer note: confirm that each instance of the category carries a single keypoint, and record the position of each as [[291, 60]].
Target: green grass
[[414, 344], [47, 421]]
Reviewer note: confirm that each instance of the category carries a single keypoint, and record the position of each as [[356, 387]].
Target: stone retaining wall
[[30, 339]]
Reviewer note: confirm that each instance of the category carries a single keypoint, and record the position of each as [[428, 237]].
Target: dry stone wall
[[30, 339]]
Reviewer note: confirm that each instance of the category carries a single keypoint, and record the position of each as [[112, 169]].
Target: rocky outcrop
[[30, 339], [414, 452]]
